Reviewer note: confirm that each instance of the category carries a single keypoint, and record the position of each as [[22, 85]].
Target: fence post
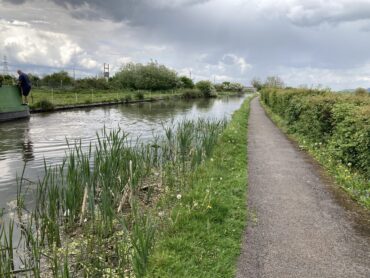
[[52, 95]]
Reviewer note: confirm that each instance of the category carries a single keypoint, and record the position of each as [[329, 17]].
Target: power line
[[45, 69]]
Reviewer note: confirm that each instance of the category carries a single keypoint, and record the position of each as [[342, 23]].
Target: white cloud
[[334, 78], [304, 41], [232, 60], [316, 12], [88, 63], [24, 44]]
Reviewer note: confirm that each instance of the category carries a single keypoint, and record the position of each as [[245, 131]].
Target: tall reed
[[97, 202]]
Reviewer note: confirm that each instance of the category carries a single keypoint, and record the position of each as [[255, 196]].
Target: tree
[[236, 87], [7, 79], [151, 76], [361, 92], [186, 82], [274, 82], [57, 79], [257, 84], [34, 79]]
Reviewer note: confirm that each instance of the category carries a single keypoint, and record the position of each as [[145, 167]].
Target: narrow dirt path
[[296, 227]]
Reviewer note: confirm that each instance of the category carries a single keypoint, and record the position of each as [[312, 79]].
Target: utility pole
[[74, 66], [190, 73], [5, 66], [106, 71]]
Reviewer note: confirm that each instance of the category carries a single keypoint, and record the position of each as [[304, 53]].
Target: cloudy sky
[[305, 42]]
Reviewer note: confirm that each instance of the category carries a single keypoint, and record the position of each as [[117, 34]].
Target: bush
[[190, 93], [139, 95], [186, 82], [152, 76], [7, 80], [92, 83], [257, 84], [338, 122], [57, 79], [229, 87], [128, 98], [274, 82], [44, 105], [205, 87], [361, 92]]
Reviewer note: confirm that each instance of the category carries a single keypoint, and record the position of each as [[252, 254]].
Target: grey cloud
[[332, 12], [134, 12], [213, 37], [15, 2]]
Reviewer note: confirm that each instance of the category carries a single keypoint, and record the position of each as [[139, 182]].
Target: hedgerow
[[338, 123]]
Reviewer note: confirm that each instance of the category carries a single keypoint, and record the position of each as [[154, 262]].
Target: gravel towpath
[[299, 225]]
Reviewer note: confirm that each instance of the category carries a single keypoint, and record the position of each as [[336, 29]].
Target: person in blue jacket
[[25, 85]]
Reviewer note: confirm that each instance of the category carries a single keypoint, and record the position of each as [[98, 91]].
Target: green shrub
[[44, 104], [229, 87], [186, 82], [361, 92], [350, 142], [190, 93], [128, 98], [92, 83], [139, 95], [152, 76], [57, 79], [7, 80], [338, 122], [205, 87]]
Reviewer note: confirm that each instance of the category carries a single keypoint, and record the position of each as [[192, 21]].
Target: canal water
[[43, 136]]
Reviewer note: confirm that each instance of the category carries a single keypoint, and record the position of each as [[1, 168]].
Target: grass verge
[[202, 236], [355, 184], [59, 98], [63, 98]]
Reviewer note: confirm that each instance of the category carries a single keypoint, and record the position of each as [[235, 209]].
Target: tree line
[[133, 76]]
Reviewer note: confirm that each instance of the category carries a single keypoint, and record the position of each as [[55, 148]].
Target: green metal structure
[[11, 104]]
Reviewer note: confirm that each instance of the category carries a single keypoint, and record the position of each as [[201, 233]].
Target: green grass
[[64, 97], [206, 219], [48, 99], [101, 211], [354, 183], [92, 214]]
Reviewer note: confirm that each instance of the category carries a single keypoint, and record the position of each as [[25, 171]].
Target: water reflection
[[27, 149], [44, 135], [15, 138]]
